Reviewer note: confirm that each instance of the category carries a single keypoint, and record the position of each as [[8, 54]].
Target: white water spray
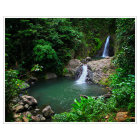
[[83, 76], [105, 52]]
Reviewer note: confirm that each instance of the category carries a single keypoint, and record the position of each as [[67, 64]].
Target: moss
[[104, 81], [105, 69]]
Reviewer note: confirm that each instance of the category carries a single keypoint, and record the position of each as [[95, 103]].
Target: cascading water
[[83, 76], [105, 52]]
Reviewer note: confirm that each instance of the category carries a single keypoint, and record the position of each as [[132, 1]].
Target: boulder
[[89, 78], [38, 118], [88, 59], [31, 101], [19, 108], [78, 72], [121, 116], [50, 76], [32, 80], [47, 112], [72, 67], [101, 69]]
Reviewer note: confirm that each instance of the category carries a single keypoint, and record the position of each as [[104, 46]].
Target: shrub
[[87, 110]]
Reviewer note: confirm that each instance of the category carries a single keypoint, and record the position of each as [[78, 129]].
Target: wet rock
[[89, 78], [121, 116], [19, 108], [50, 76], [72, 67], [78, 72], [31, 101], [47, 112]]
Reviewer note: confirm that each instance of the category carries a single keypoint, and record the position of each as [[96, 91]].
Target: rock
[[88, 59], [28, 113], [21, 103], [72, 67], [25, 119], [107, 95], [16, 100], [84, 61], [121, 116], [31, 101], [38, 118], [36, 110], [89, 78], [19, 108], [101, 69], [50, 76], [107, 116], [107, 57], [35, 119], [47, 112], [32, 80], [84, 96], [78, 72], [26, 106], [24, 86], [18, 120], [16, 115]]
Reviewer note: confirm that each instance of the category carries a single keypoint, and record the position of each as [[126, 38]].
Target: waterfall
[[82, 78], [105, 52]]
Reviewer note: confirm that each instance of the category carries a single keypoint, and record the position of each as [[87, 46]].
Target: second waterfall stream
[[83, 76]]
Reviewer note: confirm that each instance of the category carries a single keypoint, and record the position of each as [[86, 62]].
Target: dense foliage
[[47, 42], [122, 82], [46, 45]]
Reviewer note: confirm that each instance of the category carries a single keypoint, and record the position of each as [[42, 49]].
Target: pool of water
[[60, 93]]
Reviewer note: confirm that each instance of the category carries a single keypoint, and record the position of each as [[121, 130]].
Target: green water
[[60, 93]]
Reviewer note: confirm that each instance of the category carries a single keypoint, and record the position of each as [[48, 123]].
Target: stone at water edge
[[50, 76], [29, 100], [47, 111], [72, 67], [19, 108]]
